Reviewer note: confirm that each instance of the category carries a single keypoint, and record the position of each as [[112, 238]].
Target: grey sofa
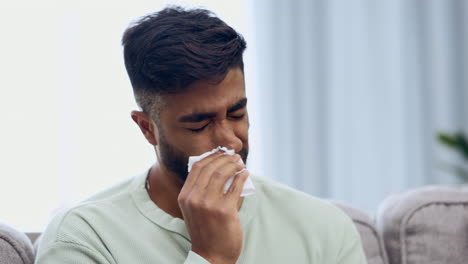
[[15, 246], [425, 225]]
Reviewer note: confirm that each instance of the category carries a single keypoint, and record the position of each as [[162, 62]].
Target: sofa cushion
[[15, 246], [371, 240], [426, 225]]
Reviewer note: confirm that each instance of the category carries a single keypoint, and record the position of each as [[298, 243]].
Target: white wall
[[66, 100]]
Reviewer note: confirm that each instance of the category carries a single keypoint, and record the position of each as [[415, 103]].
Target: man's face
[[206, 115]]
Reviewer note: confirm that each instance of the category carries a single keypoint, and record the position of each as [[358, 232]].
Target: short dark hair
[[166, 51]]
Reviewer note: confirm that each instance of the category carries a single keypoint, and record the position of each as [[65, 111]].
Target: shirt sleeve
[[351, 251], [69, 253], [194, 258]]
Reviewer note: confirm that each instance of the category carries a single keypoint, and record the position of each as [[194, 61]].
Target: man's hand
[[210, 215]]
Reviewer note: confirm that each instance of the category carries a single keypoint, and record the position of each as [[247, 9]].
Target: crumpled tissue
[[248, 188]]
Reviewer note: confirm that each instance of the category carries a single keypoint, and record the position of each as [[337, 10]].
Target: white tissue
[[248, 188]]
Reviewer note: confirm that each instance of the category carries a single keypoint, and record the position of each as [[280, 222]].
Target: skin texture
[[210, 215]]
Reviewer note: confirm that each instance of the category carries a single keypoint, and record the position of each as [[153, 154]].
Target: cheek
[[192, 144], [242, 130], [177, 139]]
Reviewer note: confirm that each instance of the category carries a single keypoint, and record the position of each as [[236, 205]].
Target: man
[[187, 74]]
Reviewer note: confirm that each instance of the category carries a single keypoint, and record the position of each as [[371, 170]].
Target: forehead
[[207, 96]]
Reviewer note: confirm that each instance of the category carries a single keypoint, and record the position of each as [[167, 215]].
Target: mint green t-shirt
[[122, 225]]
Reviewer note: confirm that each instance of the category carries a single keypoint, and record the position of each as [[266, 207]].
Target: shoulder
[[84, 229], [285, 197], [77, 223], [307, 211], [317, 222]]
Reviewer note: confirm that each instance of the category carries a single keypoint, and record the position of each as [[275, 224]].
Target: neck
[[164, 189]]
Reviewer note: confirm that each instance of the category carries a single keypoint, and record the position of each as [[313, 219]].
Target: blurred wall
[[354, 92]]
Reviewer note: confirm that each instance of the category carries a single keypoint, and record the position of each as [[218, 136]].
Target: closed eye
[[196, 130], [237, 117]]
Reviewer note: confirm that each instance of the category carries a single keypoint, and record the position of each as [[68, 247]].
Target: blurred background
[[347, 99]]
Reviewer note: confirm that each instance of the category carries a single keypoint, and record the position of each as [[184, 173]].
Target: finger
[[194, 173], [198, 166], [217, 169], [235, 190], [219, 178]]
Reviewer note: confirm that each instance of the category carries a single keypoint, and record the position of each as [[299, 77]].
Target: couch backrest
[[426, 225], [33, 236]]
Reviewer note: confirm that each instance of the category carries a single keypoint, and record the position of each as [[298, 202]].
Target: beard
[[177, 161]]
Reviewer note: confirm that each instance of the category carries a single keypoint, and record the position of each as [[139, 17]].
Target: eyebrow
[[198, 117]]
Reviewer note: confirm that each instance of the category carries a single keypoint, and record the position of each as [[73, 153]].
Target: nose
[[225, 136]]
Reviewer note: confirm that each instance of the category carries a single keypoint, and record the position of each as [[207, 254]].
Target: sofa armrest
[[15, 246]]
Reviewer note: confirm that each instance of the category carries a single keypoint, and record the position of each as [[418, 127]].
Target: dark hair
[[168, 50]]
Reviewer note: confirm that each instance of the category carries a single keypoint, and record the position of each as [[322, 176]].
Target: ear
[[147, 126]]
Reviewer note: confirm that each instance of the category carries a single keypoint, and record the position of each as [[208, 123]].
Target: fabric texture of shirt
[[123, 225]]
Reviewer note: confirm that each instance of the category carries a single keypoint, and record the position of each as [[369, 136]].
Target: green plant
[[458, 143]]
